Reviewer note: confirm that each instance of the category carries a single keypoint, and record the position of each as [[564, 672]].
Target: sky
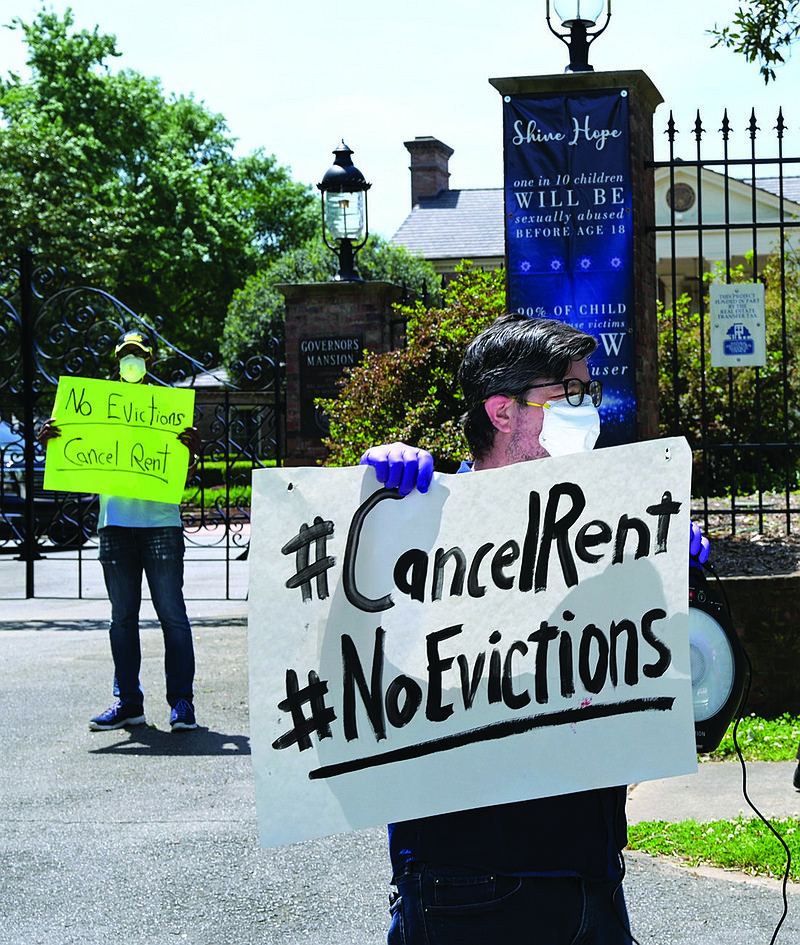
[[297, 77]]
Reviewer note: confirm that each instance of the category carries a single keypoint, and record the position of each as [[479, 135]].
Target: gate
[[728, 211], [50, 327]]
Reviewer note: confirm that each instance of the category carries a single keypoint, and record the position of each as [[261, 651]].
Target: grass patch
[[761, 740], [745, 844]]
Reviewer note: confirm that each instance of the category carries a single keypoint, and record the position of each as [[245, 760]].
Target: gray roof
[[455, 224], [791, 186]]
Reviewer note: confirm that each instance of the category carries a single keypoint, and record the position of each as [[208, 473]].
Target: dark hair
[[509, 356]]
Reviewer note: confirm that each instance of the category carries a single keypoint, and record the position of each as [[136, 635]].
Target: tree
[[135, 191], [412, 394], [257, 309], [762, 30]]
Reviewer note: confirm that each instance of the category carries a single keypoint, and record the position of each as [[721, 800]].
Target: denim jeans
[[440, 905], [127, 553]]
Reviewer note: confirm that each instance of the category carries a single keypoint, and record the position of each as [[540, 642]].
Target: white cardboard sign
[[513, 633]]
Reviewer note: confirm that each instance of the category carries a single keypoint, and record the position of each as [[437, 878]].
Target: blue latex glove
[[400, 467], [699, 546]]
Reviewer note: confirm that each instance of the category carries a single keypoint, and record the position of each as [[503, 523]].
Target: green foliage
[[744, 409], [257, 310], [744, 844], [218, 497], [761, 740], [214, 473], [412, 394], [134, 191], [222, 483], [762, 31]]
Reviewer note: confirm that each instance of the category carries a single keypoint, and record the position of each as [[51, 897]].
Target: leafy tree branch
[[762, 31]]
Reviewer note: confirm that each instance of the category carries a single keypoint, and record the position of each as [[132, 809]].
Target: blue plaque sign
[[569, 232]]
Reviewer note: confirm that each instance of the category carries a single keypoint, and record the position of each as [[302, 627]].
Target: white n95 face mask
[[567, 429], [132, 369]]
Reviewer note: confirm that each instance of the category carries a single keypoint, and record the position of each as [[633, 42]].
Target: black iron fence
[[50, 327], [728, 214]]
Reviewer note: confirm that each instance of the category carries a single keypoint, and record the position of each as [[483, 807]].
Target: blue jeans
[[127, 553], [440, 905]]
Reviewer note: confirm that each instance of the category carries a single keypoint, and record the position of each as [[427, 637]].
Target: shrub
[[412, 394]]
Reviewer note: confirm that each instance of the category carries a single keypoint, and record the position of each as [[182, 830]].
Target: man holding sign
[[138, 535], [547, 870]]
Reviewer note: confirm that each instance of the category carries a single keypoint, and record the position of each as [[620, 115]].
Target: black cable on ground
[[756, 811]]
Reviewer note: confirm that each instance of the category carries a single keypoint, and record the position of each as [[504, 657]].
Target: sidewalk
[[715, 793], [20, 614], [148, 837]]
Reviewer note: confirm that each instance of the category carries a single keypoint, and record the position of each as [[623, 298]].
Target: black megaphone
[[717, 663]]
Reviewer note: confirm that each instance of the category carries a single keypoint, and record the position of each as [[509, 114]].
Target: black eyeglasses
[[574, 391]]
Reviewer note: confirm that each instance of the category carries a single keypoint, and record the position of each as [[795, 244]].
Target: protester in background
[[141, 536], [547, 870]]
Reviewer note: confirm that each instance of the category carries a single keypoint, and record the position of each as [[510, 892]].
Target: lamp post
[[344, 212], [578, 16]]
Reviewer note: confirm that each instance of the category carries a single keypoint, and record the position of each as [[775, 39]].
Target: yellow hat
[[134, 339]]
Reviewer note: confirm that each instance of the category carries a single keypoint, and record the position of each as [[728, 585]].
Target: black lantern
[[344, 212], [578, 16]]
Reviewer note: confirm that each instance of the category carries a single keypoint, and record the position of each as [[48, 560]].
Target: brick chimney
[[429, 167]]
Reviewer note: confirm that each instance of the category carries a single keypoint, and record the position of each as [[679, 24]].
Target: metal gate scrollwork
[[50, 327]]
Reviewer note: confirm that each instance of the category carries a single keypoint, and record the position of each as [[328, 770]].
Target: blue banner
[[569, 232]]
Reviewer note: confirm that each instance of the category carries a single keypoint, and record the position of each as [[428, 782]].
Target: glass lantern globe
[[344, 215], [586, 12]]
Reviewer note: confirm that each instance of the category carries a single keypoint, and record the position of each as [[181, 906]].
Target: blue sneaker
[[182, 715], [117, 715]]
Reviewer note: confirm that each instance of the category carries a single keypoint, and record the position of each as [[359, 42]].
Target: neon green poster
[[119, 439]]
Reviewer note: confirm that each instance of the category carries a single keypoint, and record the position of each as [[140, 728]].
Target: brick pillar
[[644, 98], [328, 326]]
